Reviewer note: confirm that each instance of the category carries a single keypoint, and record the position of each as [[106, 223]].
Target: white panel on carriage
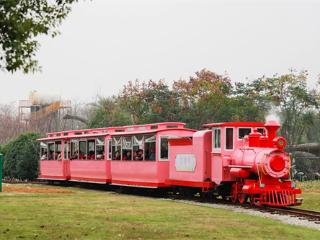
[[185, 162]]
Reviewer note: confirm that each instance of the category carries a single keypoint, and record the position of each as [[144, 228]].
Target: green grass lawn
[[89, 214], [311, 195]]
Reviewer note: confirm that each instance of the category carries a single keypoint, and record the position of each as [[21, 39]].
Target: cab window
[[216, 138], [164, 148], [261, 130], [229, 138], [244, 132]]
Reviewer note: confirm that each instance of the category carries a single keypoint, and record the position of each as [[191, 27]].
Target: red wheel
[[243, 198], [234, 193]]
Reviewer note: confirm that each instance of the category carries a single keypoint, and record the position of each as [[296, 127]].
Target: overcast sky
[[103, 44]]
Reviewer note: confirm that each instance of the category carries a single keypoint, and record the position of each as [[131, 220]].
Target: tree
[[148, 102], [21, 22], [21, 157], [289, 95], [204, 98], [106, 112]]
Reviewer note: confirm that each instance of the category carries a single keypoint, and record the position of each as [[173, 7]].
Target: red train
[[237, 160]]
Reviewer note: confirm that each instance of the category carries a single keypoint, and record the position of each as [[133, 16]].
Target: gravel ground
[[283, 218]]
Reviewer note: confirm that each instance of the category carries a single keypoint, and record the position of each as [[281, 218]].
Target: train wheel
[[243, 198], [234, 193]]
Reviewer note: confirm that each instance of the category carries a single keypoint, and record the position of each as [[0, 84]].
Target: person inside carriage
[[127, 155]]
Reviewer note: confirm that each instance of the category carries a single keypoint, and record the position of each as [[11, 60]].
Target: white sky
[[103, 44]]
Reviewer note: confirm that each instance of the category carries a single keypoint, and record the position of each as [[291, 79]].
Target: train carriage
[[139, 155], [74, 155]]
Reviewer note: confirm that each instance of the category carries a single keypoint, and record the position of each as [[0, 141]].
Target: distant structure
[[44, 111]]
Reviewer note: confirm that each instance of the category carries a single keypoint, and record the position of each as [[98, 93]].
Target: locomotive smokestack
[[272, 127]]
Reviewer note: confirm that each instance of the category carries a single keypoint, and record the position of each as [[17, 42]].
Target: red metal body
[[243, 160]]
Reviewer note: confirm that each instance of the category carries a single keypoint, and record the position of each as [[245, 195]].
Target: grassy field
[[311, 195], [49, 212]]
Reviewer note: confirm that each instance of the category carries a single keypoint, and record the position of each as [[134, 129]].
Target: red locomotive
[[238, 160]]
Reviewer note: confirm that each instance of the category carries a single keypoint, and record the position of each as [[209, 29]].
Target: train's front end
[[265, 170]]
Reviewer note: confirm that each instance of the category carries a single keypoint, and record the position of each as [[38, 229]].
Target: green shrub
[[21, 157]]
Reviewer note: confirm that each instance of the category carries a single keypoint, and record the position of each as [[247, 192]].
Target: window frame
[[47, 153], [214, 149], [263, 128], [94, 147], [159, 147], [85, 140], [244, 135], [133, 145], [124, 148], [66, 149], [54, 149], [155, 147], [104, 148], [225, 139], [74, 141]]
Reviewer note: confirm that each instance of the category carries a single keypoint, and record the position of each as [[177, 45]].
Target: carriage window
[[83, 149], [150, 147], [57, 154], [137, 147], [74, 149], [229, 138], [127, 148], [261, 130], [66, 150], [100, 148], [91, 149], [217, 138], [43, 151], [116, 148], [164, 152], [243, 132], [51, 151]]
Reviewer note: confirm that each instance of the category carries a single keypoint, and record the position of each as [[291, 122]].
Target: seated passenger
[[152, 155], [128, 155], [117, 155], [139, 155], [91, 155], [59, 157], [100, 155], [75, 155]]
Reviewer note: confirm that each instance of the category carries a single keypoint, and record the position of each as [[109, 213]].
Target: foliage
[[149, 102], [106, 112], [21, 22], [289, 94], [21, 157]]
